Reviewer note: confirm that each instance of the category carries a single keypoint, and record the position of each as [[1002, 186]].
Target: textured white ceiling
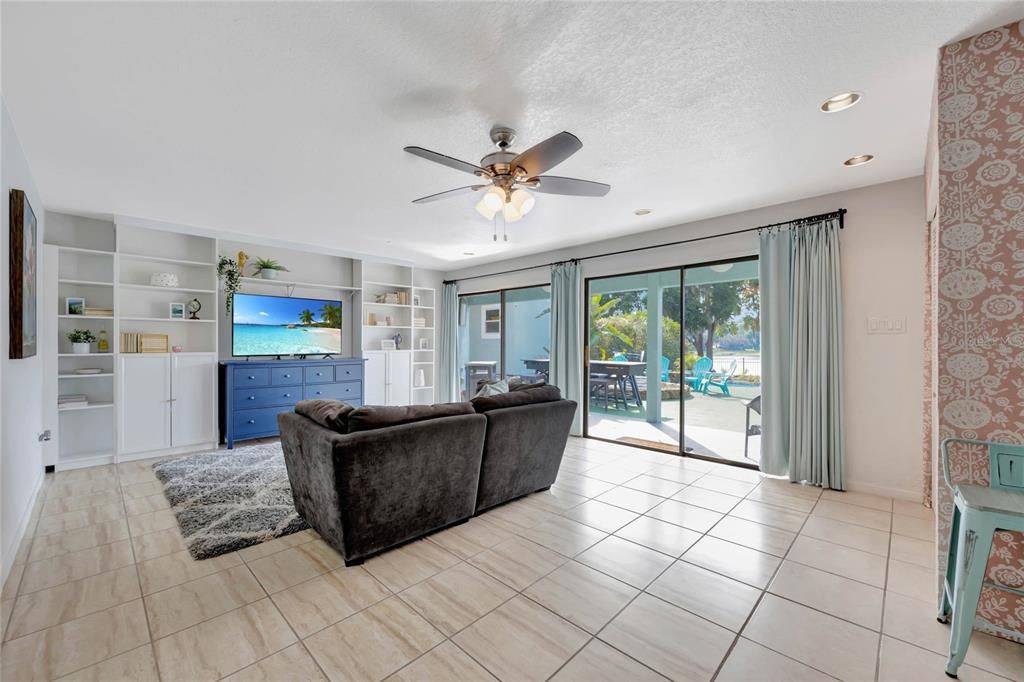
[[287, 120]]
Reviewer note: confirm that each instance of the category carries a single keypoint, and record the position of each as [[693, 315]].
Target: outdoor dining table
[[621, 370]]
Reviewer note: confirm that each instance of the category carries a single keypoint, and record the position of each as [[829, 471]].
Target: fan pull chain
[[495, 227]]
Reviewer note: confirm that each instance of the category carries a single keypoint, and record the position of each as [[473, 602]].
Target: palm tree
[[306, 317], [331, 315]]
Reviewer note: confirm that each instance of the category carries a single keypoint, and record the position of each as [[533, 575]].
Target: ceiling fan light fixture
[[511, 213], [493, 199], [523, 201], [843, 100], [483, 209]]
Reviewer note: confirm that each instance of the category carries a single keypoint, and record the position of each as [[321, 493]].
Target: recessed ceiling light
[[859, 160], [843, 100], [642, 211]]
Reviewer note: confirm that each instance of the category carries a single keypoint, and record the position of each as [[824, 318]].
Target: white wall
[[883, 249], [21, 463]]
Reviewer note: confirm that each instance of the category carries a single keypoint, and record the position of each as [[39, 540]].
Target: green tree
[[711, 310], [605, 337], [331, 315], [306, 316]]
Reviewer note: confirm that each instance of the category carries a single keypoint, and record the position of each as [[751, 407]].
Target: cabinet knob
[[251, 377], [252, 421], [252, 397], [319, 374], [287, 376], [287, 395], [319, 392]]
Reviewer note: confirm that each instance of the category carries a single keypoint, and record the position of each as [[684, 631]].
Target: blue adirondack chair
[[700, 370], [664, 368], [719, 379]]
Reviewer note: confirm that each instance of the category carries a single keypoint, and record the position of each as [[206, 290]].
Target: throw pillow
[[331, 414], [520, 384], [493, 388]]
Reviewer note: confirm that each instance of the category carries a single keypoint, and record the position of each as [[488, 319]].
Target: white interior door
[[375, 378], [400, 377], [145, 402], [193, 399]]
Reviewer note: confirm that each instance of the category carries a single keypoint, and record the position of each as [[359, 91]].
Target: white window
[[490, 327]]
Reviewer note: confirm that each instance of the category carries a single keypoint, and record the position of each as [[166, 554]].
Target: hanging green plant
[[230, 275]]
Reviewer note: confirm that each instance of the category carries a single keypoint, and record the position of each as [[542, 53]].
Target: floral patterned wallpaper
[[978, 301]]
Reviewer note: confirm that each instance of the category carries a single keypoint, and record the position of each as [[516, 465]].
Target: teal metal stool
[[979, 512]]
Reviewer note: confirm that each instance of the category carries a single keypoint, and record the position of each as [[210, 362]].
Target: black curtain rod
[[793, 223]]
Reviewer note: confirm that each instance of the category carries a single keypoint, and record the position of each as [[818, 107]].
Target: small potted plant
[[81, 340], [267, 268]]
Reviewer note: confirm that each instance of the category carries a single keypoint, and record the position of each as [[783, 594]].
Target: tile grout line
[[885, 595]]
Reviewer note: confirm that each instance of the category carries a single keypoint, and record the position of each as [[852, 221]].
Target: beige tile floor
[[634, 566]]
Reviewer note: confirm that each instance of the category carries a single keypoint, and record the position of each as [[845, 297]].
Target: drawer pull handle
[[319, 393], [287, 376], [252, 421], [252, 397], [251, 377], [319, 374], [287, 395]]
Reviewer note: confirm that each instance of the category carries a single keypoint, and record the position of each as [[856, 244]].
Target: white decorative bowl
[[163, 279]]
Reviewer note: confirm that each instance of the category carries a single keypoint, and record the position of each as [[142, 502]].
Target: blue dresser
[[252, 393]]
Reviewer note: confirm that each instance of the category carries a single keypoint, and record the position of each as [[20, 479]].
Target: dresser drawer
[[347, 390], [250, 422], [247, 398], [286, 376], [319, 374], [348, 372], [257, 376]]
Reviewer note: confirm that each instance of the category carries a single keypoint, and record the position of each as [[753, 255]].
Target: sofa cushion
[[332, 414], [526, 396], [377, 417]]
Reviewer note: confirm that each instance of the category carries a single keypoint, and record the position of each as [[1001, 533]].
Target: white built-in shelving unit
[[146, 404]]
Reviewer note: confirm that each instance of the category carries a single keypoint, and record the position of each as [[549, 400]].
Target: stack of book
[[419, 322], [98, 312], [65, 402], [136, 342]]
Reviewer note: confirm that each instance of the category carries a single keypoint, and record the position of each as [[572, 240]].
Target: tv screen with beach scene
[[281, 325]]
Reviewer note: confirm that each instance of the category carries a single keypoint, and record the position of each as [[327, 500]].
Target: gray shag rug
[[226, 500]]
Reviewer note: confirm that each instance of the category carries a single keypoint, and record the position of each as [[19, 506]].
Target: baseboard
[[884, 491], [9, 553], [183, 450]]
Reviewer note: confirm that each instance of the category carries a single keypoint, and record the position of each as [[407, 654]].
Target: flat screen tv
[[282, 325]]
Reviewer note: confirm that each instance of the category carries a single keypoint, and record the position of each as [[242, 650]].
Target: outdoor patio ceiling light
[[843, 100]]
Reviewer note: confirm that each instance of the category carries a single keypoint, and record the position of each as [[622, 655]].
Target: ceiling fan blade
[[547, 154], [554, 184], [445, 160], [450, 193]]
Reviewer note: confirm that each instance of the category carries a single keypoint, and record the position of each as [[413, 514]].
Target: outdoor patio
[[714, 424]]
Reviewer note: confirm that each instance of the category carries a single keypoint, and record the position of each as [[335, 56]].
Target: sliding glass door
[[722, 337], [503, 334], [633, 359], [674, 360]]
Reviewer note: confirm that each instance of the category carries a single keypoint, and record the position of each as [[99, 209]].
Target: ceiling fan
[[505, 175]]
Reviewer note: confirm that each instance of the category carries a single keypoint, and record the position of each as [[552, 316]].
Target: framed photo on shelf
[[388, 344], [177, 311], [73, 305]]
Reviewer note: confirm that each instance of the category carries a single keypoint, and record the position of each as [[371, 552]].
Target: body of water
[[262, 339]]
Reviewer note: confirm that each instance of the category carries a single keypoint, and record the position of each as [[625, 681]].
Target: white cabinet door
[[193, 399], [145, 402], [375, 377], [399, 377]]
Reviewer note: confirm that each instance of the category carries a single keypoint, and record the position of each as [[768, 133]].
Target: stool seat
[[984, 498]]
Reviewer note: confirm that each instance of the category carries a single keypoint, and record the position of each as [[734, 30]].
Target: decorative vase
[[163, 279], [81, 347], [268, 274], [421, 378]]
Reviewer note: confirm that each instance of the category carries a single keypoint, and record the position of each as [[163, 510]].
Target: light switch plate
[[887, 325]]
